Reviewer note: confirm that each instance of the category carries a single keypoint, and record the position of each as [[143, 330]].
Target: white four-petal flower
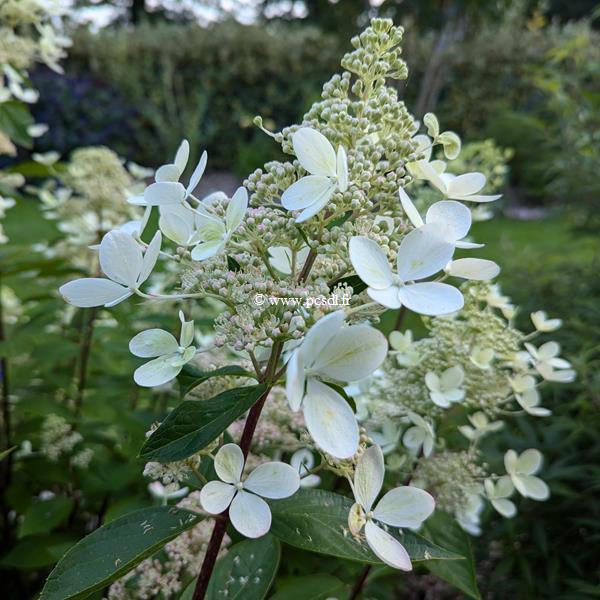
[[422, 253], [328, 172], [332, 352], [498, 494], [542, 323], [481, 426], [126, 267], [169, 355], [248, 512], [529, 401], [419, 437], [303, 461], [548, 364], [445, 389], [522, 469], [405, 506]]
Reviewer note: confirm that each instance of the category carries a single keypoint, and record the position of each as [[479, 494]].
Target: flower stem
[[84, 357], [360, 583]]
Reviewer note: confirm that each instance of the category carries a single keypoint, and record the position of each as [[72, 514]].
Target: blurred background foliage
[[518, 80]]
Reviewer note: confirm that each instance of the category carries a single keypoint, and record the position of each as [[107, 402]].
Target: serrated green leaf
[[44, 515], [195, 423], [317, 520], [442, 528], [310, 587], [191, 377], [113, 550]]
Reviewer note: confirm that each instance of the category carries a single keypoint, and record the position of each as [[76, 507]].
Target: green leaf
[[38, 551], [114, 549], [6, 452], [14, 120], [310, 587], [354, 281], [190, 377], [317, 520], [196, 423], [44, 515], [442, 528]]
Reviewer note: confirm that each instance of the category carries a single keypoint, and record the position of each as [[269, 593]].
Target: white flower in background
[[172, 491], [126, 267], [529, 401], [445, 389], [389, 436], [248, 512], [215, 232], [482, 357], [481, 426], [496, 299], [422, 253], [462, 187], [328, 172], [47, 159], [303, 461], [281, 258], [403, 348], [522, 469], [476, 269], [469, 515], [481, 212], [37, 130], [548, 364], [498, 494], [542, 323], [169, 355], [419, 437], [333, 352], [405, 506], [522, 383], [456, 216]]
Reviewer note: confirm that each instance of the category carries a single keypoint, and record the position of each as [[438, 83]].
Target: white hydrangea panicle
[[124, 264], [543, 324], [401, 507], [327, 170], [422, 253], [522, 469], [445, 388], [332, 352], [498, 493], [169, 356], [303, 461], [248, 512]]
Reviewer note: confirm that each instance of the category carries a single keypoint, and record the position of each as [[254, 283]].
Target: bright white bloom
[[169, 355], [281, 258], [476, 269], [469, 515], [481, 212], [548, 364], [303, 461], [462, 187], [529, 401], [522, 383], [388, 438], [542, 323], [498, 495], [480, 426], [215, 233], [445, 389], [248, 512], [328, 172], [482, 357], [126, 267], [403, 348], [495, 299], [47, 159], [456, 216], [522, 470], [419, 437], [171, 491], [333, 352], [405, 506], [422, 253]]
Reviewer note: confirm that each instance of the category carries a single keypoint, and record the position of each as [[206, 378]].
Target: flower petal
[[465, 185], [250, 515], [168, 172], [295, 380], [150, 258], [236, 210], [532, 487], [477, 269], [307, 191], [388, 297], [182, 156], [121, 258], [387, 548], [93, 291], [197, 174], [370, 262], [317, 206], [207, 250], [216, 496], [319, 335], [410, 209], [452, 213], [153, 342], [431, 298], [529, 462], [342, 169], [273, 480], [404, 506], [164, 192], [505, 507], [368, 477], [176, 224], [314, 152], [158, 371], [330, 420], [229, 463]]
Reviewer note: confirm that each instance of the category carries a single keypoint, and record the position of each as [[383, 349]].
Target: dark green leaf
[[114, 549], [14, 120], [190, 377], [317, 520], [196, 423], [44, 515], [442, 528], [232, 264], [310, 587], [38, 551], [354, 281]]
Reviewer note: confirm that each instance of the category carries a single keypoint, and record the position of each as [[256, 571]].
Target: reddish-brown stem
[[310, 260], [360, 583], [400, 318]]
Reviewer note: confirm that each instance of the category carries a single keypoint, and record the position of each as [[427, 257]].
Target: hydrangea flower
[[389, 436], [303, 461], [498, 494], [461, 187], [403, 348], [419, 437], [248, 512], [476, 269], [169, 355], [481, 426], [542, 323], [404, 506], [172, 491], [522, 469], [529, 401], [548, 364], [126, 267], [422, 253], [482, 357], [328, 172], [334, 352], [445, 389]]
